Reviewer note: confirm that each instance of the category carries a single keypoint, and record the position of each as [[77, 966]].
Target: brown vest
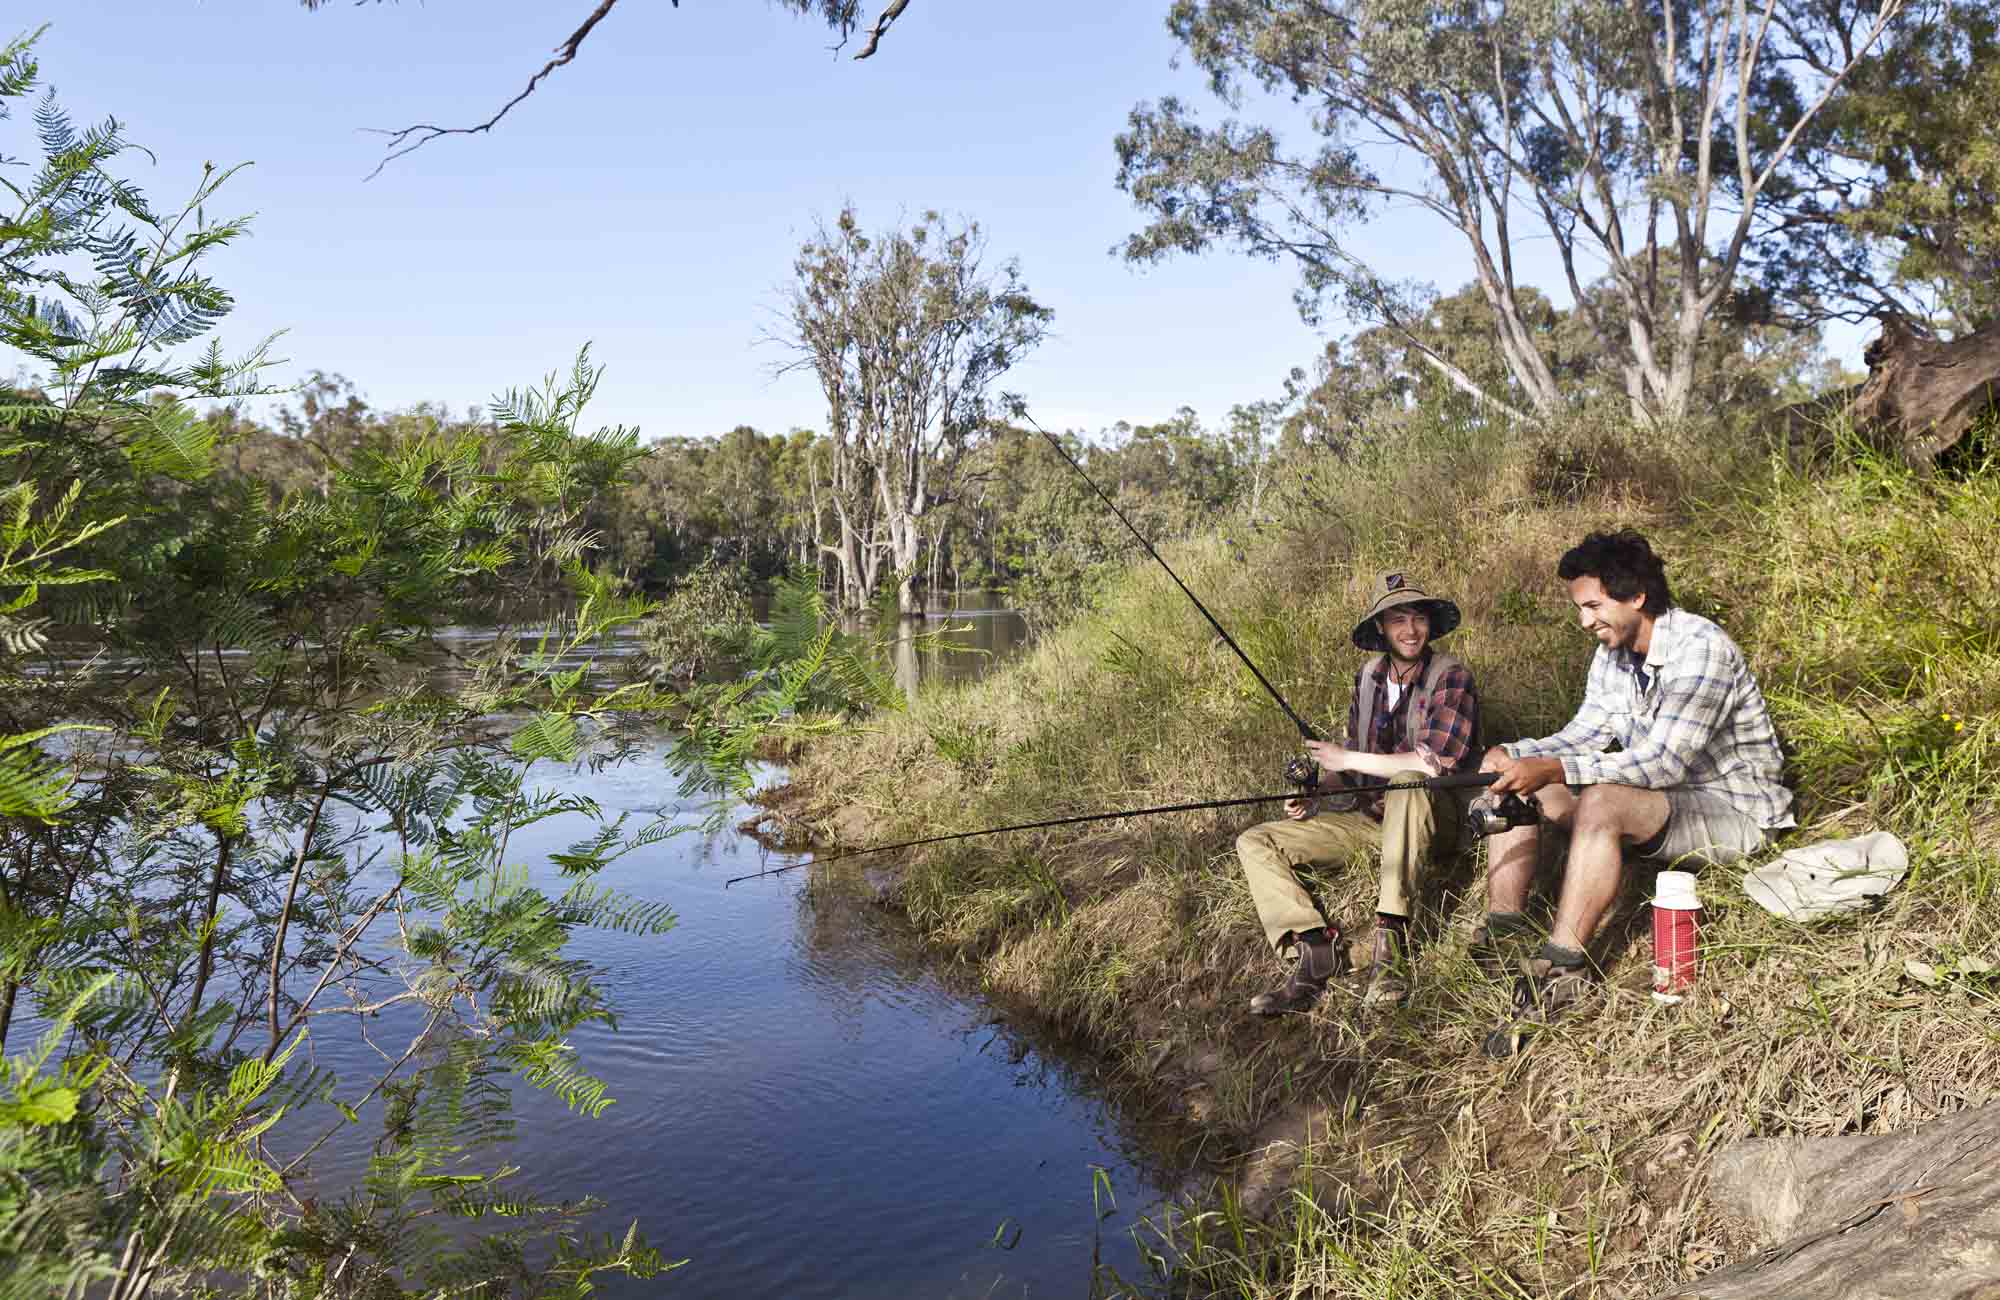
[[1420, 705]]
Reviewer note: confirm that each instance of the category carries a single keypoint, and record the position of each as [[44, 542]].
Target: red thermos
[[1676, 934]]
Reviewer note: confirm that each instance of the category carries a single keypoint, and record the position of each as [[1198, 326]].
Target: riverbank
[[1866, 601]]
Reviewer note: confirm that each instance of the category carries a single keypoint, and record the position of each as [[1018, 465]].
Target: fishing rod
[[1304, 730], [1452, 781], [1302, 771]]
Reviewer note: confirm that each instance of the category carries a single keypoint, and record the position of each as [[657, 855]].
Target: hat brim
[[1444, 617]]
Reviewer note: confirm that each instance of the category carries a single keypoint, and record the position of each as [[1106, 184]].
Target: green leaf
[[41, 1103], [550, 735]]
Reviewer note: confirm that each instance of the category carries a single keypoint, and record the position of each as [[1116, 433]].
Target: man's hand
[[1497, 760], [1300, 809], [1524, 775], [1329, 756]]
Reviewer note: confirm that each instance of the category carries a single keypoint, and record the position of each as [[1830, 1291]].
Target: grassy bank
[[1383, 1157]]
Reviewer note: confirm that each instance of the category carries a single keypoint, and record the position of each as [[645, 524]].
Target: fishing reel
[[1303, 772], [1489, 816]]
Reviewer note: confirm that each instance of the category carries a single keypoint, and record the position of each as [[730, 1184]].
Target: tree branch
[[285, 915], [890, 13], [409, 139], [412, 138]]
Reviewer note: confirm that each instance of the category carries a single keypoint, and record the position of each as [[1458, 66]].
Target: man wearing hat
[[1414, 714]]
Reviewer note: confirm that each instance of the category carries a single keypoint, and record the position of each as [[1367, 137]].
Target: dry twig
[[412, 138], [409, 139]]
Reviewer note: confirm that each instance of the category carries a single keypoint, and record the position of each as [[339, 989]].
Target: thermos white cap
[[1675, 890]]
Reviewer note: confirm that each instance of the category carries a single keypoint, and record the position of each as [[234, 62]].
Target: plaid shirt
[[1449, 736], [1688, 715]]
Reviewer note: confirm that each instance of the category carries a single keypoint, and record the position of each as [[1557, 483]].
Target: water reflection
[[807, 1106], [955, 642], [958, 640]]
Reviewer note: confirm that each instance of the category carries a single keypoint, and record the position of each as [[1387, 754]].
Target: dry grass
[[1868, 603]]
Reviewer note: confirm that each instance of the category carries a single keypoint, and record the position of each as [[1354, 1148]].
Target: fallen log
[[1900, 1216], [1923, 393]]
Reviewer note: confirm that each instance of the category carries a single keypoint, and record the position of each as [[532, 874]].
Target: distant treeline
[[1014, 516], [757, 503]]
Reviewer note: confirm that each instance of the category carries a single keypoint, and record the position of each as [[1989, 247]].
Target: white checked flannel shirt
[[1688, 714]]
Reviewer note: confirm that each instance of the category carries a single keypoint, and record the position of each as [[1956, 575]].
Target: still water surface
[[806, 1105]]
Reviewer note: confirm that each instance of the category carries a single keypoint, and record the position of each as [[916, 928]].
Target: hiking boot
[[1543, 992], [1388, 972], [1498, 953], [1319, 961]]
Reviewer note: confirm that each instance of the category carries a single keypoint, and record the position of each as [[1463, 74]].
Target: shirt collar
[[1645, 669], [1665, 628]]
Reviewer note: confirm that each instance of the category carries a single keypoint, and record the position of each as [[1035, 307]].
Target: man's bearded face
[[1615, 623], [1407, 630]]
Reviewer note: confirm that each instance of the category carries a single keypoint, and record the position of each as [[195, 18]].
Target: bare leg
[[1606, 819], [1510, 855]]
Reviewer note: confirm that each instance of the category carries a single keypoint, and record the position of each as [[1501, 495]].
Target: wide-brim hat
[[1396, 588], [1834, 876]]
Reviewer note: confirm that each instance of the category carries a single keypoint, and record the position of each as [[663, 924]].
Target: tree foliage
[[255, 793], [907, 334], [1895, 206], [1639, 138]]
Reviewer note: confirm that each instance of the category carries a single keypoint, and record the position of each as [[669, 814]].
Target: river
[[806, 1105]]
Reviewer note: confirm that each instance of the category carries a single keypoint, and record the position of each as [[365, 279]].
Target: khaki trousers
[[1415, 824]]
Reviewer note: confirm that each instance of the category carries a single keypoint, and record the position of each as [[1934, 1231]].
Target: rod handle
[[1462, 780]]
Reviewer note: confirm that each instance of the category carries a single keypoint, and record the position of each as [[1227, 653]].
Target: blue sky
[[650, 197]]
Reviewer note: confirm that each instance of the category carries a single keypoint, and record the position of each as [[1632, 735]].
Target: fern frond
[[550, 735], [173, 441], [31, 785], [584, 904], [551, 1066]]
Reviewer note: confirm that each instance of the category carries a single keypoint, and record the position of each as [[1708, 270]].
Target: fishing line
[[1454, 781], [1304, 730]]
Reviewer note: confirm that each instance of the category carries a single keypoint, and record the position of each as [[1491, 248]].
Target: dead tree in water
[[907, 333]]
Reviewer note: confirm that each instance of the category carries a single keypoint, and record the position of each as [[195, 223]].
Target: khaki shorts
[[1706, 829]]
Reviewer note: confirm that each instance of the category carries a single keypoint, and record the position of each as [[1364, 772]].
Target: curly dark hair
[[1624, 562]]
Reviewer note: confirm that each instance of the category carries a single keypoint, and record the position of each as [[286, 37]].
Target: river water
[[806, 1105]]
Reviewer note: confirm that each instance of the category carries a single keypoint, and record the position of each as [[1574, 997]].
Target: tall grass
[[1382, 1156]]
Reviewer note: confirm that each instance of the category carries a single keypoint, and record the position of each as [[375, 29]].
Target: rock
[[1900, 1216], [1207, 1063], [884, 884], [1273, 1166]]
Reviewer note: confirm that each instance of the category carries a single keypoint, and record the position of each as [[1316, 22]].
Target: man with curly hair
[[1671, 758]]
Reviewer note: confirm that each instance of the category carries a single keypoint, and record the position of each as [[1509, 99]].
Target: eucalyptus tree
[[253, 799], [1632, 136], [907, 333], [1895, 207]]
